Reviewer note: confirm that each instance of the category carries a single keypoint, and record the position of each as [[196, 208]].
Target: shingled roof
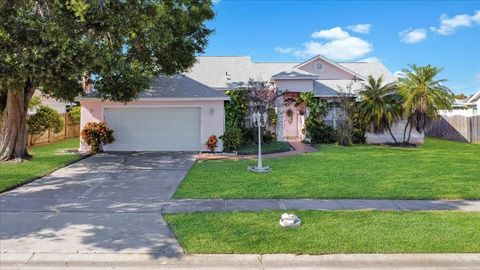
[[226, 72], [176, 86]]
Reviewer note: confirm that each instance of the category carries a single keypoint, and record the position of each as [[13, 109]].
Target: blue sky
[[441, 33]]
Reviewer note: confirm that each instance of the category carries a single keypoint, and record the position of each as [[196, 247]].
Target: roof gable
[[474, 98], [294, 74], [336, 71]]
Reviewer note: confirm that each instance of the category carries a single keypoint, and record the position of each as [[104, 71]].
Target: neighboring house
[[179, 113], [324, 77], [465, 107], [59, 106]]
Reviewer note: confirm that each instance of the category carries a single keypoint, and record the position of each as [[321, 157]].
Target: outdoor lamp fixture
[[257, 122]]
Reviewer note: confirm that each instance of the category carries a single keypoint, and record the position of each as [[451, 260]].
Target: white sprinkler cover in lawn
[[290, 220]]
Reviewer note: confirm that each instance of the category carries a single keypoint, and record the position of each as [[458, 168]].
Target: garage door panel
[[154, 129]]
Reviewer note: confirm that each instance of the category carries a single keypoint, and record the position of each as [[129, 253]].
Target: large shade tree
[[61, 47], [379, 106], [423, 96]]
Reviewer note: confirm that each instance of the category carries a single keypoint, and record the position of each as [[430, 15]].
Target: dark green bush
[[359, 130], [249, 136], [269, 136], [44, 119], [235, 111], [232, 138], [322, 133]]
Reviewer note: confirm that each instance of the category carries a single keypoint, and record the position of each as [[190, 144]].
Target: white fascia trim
[[332, 63], [475, 96], [169, 99], [295, 78]]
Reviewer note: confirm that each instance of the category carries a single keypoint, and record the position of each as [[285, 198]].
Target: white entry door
[[154, 128]]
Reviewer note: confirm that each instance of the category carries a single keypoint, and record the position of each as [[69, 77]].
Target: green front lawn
[[46, 158], [273, 147], [328, 232], [438, 170]]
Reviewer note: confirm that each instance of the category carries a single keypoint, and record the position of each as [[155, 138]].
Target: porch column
[[279, 129], [334, 116]]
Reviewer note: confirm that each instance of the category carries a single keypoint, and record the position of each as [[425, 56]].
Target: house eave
[[296, 78], [164, 99]]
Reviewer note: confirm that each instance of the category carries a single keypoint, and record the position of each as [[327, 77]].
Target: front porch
[[292, 117]]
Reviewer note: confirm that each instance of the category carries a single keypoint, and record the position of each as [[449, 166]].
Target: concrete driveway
[[108, 203]]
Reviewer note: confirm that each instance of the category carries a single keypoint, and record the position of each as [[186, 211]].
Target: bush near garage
[[97, 134]]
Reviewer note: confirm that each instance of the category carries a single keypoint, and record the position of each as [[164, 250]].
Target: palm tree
[[423, 96], [380, 106]]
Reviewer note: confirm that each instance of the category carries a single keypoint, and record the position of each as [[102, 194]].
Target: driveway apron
[[108, 203]]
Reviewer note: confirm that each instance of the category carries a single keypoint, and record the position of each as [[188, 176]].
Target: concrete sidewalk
[[53, 261], [211, 205]]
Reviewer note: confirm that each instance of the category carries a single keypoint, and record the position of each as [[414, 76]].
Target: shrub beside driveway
[[46, 158], [438, 170]]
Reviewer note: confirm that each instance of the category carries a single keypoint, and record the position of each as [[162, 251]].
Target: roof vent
[[227, 76]]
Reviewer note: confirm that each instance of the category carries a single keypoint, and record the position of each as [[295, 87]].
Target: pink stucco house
[[178, 113]]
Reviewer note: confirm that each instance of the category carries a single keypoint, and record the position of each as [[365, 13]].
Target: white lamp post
[[257, 122]]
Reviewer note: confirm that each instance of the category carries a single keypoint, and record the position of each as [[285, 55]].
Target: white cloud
[[337, 44], [331, 34], [448, 25], [284, 50], [363, 28], [370, 59], [476, 17], [340, 49], [413, 36], [216, 1]]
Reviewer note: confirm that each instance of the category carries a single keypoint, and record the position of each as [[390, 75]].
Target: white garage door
[[154, 129]]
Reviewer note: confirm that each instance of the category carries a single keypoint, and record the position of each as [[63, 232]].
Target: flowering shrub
[[97, 134], [212, 143]]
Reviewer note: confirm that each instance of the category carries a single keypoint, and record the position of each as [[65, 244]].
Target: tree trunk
[[409, 134], [391, 134], [13, 135], [405, 130]]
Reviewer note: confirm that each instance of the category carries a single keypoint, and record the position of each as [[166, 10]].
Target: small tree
[[346, 101], [62, 48], [44, 119], [75, 113], [423, 96], [248, 97], [379, 106], [263, 97]]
